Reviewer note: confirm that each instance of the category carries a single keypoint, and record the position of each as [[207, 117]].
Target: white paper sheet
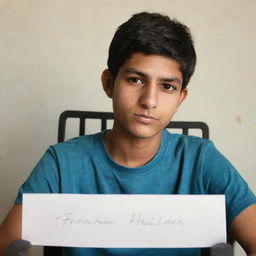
[[124, 220]]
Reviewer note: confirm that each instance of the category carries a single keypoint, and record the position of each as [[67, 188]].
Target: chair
[[104, 117], [185, 126]]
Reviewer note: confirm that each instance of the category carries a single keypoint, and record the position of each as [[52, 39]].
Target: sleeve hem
[[239, 208]]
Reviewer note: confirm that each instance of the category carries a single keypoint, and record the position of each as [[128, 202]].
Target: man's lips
[[146, 119]]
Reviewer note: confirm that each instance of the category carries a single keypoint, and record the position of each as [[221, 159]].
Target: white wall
[[53, 52]]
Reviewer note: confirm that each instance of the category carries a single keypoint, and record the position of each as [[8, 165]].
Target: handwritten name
[[136, 219]]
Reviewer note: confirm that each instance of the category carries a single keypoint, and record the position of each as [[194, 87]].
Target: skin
[[146, 94], [10, 229], [243, 230]]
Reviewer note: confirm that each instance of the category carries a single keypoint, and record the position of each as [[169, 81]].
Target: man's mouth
[[146, 119]]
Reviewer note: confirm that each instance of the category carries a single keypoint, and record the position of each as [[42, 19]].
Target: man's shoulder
[[187, 140]]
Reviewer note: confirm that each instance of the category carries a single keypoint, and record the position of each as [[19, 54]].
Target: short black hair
[[153, 33]]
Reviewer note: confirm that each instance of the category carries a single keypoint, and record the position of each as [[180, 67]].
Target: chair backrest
[[185, 126]]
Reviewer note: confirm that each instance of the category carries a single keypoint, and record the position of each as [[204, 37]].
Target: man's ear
[[183, 95], [107, 82]]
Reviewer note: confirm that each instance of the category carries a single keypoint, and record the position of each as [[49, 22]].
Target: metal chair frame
[[104, 116], [185, 126]]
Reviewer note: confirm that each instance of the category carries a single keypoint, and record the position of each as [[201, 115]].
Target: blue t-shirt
[[182, 165]]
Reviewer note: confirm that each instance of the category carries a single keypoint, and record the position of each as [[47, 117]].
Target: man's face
[[146, 93]]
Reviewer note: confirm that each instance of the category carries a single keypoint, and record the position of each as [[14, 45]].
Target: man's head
[[153, 34]]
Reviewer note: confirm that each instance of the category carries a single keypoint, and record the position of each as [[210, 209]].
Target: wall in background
[[53, 53]]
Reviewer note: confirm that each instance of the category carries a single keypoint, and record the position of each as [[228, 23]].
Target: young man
[[151, 60]]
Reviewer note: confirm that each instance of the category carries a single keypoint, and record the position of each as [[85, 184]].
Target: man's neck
[[129, 151]]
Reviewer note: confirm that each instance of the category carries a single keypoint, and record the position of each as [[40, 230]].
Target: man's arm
[[10, 229], [243, 230]]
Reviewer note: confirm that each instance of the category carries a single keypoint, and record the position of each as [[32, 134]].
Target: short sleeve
[[221, 177], [44, 178]]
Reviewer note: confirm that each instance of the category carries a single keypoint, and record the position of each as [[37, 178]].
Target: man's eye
[[168, 87], [135, 80]]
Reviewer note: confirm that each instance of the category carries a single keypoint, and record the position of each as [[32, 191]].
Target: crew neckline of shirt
[[153, 162]]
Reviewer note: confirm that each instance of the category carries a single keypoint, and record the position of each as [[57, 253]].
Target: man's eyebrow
[[164, 79], [174, 79], [134, 71]]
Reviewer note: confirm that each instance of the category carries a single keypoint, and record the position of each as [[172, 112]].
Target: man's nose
[[149, 96]]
